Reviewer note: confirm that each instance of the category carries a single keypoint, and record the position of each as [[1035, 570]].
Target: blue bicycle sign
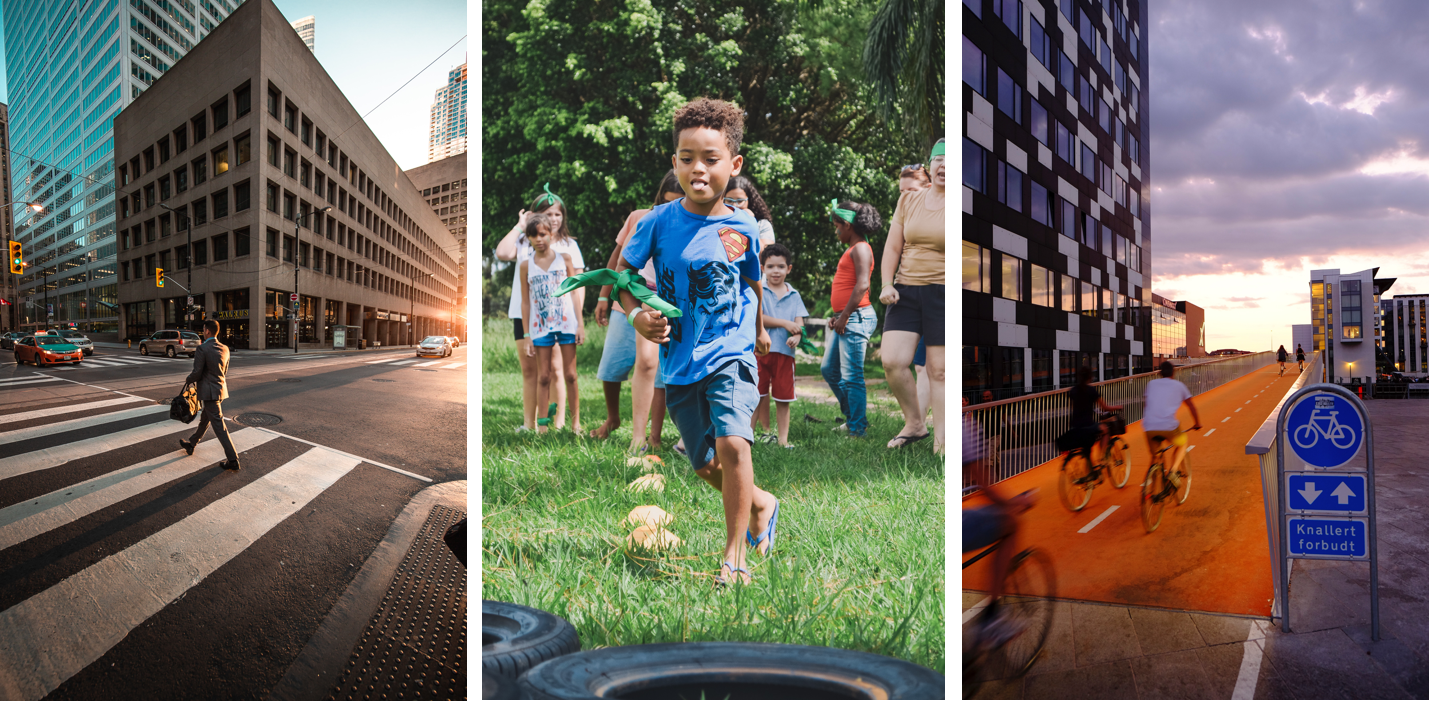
[[1324, 430]]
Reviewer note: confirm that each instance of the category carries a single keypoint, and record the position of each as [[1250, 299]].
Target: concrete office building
[[1056, 228], [448, 126], [1345, 322], [1406, 335], [443, 185], [241, 145], [70, 68], [307, 29]]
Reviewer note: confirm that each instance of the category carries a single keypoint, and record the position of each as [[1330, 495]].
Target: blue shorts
[[718, 406], [920, 356], [617, 358], [981, 527], [554, 338]]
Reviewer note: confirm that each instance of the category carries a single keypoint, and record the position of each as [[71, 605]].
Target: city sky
[[1286, 136], [370, 48]]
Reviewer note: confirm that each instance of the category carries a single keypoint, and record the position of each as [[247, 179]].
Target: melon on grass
[[652, 538]]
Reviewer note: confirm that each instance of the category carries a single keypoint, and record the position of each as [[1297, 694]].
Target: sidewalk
[[399, 631]]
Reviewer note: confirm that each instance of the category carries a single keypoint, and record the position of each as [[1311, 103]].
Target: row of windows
[[1022, 281], [991, 374], [444, 187], [187, 215], [143, 267], [178, 181], [1027, 196]]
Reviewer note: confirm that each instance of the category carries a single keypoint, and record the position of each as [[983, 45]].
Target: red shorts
[[776, 370]]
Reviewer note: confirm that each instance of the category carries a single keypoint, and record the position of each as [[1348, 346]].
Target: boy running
[[784, 314], [707, 265]]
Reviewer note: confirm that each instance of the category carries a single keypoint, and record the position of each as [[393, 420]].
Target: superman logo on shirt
[[735, 244]]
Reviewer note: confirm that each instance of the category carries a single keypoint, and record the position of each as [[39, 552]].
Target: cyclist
[[1164, 396], [1282, 356], [985, 525], [1085, 400], [1300, 357]]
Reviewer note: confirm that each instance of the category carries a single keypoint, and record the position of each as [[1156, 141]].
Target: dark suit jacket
[[210, 369]]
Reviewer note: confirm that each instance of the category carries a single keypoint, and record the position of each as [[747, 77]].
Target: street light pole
[[297, 242]]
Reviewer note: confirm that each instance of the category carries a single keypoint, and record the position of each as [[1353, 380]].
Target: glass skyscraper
[[448, 136], [70, 67]]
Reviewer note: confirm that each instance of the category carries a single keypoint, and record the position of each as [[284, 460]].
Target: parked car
[[46, 349], [456, 342], [170, 342], [79, 340], [7, 340], [435, 345]]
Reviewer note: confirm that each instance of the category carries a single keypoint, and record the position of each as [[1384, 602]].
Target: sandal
[[720, 581], [768, 534], [901, 441]]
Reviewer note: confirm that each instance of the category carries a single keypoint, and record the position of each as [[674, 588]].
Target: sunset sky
[[1286, 136]]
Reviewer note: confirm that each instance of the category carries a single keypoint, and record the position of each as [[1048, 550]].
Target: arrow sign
[[1346, 492]]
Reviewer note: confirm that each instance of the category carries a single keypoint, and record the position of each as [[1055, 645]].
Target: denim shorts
[[554, 338], [717, 406], [617, 358]]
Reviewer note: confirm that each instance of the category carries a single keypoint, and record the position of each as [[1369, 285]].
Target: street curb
[[320, 665]]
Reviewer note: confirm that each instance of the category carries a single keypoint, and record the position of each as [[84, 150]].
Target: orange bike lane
[[1209, 554]]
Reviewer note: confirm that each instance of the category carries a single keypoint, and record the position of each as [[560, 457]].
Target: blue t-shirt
[[698, 265]]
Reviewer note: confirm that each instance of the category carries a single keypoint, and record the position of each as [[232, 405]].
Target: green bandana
[[844, 214], [938, 149], [808, 346], [628, 280], [550, 197]]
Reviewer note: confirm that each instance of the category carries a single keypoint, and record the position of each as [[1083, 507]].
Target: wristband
[[632, 316], [602, 299]]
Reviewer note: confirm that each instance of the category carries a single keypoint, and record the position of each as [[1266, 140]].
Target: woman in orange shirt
[[847, 337]]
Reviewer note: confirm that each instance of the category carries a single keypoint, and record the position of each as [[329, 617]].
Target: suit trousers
[[213, 414]]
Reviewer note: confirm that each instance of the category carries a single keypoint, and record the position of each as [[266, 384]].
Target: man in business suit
[[210, 367]]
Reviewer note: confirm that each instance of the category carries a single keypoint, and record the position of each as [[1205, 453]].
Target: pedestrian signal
[[17, 262], [159, 276]]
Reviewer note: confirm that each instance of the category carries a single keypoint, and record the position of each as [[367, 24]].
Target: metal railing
[[1019, 434]]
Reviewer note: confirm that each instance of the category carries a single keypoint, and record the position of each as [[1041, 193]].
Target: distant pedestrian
[[549, 320], [854, 321], [210, 372], [741, 194], [784, 315]]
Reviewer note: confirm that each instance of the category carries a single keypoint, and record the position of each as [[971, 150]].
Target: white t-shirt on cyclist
[[1164, 395]]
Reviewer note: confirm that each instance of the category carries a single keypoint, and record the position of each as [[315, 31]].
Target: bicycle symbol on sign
[[1328, 427]]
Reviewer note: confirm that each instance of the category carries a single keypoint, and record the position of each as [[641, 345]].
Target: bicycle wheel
[[1183, 490], [1152, 497], [1074, 484], [1306, 436], [1027, 600], [1342, 433], [1117, 465]]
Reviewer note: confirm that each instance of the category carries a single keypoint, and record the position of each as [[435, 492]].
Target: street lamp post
[[298, 241], [188, 257]]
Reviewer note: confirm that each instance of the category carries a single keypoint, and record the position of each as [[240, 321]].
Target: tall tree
[[903, 57]]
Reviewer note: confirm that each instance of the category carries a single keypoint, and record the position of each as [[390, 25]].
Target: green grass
[[858, 563]]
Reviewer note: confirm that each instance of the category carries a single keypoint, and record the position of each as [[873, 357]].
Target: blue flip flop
[[768, 533], [721, 581]]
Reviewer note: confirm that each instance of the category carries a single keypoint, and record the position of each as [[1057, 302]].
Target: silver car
[[79, 340], [171, 343], [435, 345]]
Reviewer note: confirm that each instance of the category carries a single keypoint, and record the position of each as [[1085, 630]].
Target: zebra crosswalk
[[406, 360], [83, 465]]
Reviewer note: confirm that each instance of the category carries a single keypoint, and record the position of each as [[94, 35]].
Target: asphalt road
[[125, 564]]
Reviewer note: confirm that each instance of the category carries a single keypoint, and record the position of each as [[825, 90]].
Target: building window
[[240, 243], [275, 147], [220, 247], [290, 117], [1090, 237], [1066, 72], [274, 101], [201, 252], [1011, 13], [1039, 123], [1068, 219], [164, 149], [1089, 163], [200, 125], [1105, 182], [272, 248], [289, 206], [1011, 277], [242, 100], [1134, 202], [241, 196], [1009, 186], [1041, 44], [1042, 286], [974, 67], [977, 268], [200, 166], [163, 188], [220, 204], [1041, 204], [220, 114], [974, 165], [1065, 145], [1012, 360], [200, 212], [1069, 294], [1087, 33], [272, 197], [1104, 116], [1041, 370], [1009, 96], [243, 149], [181, 179], [288, 242], [220, 160], [305, 174], [1134, 148], [1119, 190], [1089, 299], [306, 133], [181, 138]]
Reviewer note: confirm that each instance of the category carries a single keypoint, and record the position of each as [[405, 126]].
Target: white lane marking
[[54, 457], [1099, 519], [1249, 666], [422, 365], [67, 409], [1208, 433], [384, 360], [976, 609], [55, 634], [1237, 409], [26, 434], [121, 361], [26, 381], [35, 517], [452, 366], [405, 362], [1247, 401], [398, 470], [103, 364], [1191, 448], [1225, 419]]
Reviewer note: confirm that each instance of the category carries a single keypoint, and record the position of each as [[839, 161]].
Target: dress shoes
[[187, 446]]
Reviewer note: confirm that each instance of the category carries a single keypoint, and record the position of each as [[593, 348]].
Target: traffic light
[[17, 262], [159, 276]]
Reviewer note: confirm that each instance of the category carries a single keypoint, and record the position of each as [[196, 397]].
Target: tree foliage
[[581, 94]]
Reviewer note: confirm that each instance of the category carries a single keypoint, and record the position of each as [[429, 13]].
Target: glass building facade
[[70, 68], [448, 137]]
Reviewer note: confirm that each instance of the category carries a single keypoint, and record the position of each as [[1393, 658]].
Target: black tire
[[515, 638], [169, 351], [1183, 490], [729, 670], [1072, 483], [143, 349], [1118, 466], [1029, 599], [1153, 499], [19, 360], [498, 686]]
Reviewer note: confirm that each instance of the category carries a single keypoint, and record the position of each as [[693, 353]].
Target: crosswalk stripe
[[54, 457], [122, 361], [405, 362], [452, 366], [422, 365], [25, 381], [384, 360], [67, 409], [102, 364], [35, 517], [55, 634], [26, 434]]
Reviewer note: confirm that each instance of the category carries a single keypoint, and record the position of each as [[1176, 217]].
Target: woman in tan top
[[913, 288]]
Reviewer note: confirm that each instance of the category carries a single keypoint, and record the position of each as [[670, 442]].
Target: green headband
[[550, 197], [844, 214], [939, 149]]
